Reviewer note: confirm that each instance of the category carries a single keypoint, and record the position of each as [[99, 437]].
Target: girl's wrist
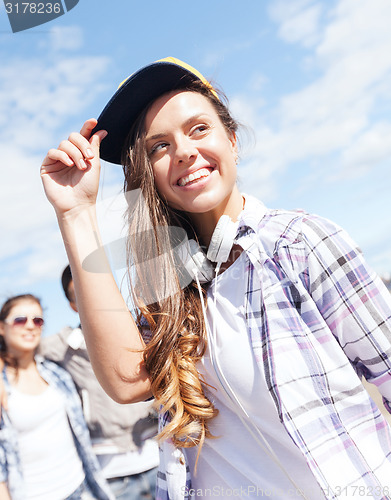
[[82, 239], [73, 215]]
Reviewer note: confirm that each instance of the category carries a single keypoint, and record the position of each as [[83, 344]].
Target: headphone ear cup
[[195, 262], [222, 239]]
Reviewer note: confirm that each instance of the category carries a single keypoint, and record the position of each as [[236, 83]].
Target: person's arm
[[4, 493], [70, 176], [3, 392]]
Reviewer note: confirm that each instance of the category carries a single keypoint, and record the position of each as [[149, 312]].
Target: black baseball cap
[[134, 94]]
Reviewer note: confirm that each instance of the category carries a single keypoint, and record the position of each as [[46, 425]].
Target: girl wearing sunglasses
[[45, 451]]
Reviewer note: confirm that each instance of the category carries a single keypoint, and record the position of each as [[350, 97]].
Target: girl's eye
[[200, 129], [157, 147]]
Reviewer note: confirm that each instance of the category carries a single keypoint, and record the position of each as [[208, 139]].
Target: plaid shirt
[[318, 319], [10, 465]]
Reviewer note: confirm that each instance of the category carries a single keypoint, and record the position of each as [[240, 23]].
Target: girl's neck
[[206, 222], [25, 361], [26, 378]]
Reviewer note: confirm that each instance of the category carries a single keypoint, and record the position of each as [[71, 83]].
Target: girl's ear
[[234, 144], [233, 140], [73, 305]]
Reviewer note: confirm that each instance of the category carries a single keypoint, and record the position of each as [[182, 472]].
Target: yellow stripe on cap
[[189, 68], [178, 62]]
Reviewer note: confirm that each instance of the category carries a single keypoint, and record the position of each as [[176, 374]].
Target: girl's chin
[[197, 207], [213, 201]]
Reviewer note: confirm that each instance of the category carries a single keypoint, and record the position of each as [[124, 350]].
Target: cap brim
[[139, 90]]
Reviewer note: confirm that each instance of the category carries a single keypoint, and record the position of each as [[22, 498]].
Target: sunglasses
[[22, 320]]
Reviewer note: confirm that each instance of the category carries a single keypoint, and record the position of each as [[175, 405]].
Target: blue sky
[[310, 80]]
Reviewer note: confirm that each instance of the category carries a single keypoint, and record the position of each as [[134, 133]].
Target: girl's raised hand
[[70, 173]]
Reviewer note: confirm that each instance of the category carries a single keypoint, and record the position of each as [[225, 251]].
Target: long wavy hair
[[7, 358], [173, 312]]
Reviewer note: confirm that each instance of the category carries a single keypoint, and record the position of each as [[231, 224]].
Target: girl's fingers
[[74, 151], [82, 144], [97, 138], [85, 143], [79, 149], [56, 155]]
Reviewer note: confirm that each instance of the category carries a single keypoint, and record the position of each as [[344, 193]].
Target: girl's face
[[22, 338], [192, 155]]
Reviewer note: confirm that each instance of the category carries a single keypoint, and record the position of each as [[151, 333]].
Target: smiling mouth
[[194, 177], [29, 337]]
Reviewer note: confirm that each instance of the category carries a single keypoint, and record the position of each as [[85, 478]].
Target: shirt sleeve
[[352, 299], [3, 467], [3, 457]]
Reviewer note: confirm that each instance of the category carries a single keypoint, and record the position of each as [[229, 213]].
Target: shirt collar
[[76, 339]]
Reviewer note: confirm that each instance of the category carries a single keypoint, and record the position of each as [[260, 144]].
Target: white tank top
[[51, 466], [235, 465]]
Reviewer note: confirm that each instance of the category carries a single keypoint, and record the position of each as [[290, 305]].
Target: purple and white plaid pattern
[[318, 319]]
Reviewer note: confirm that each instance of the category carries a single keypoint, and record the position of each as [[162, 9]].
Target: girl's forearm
[[113, 340]]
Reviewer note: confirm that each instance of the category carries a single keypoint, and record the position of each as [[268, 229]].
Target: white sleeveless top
[[51, 466], [235, 464]]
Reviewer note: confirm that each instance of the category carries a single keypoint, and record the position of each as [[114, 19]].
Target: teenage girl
[[45, 448], [254, 352]]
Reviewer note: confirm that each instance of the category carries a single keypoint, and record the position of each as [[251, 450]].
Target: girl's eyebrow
[[162, 135], [156, 136]]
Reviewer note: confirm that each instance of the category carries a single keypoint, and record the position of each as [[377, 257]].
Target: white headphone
[[194, 259], [222, 240]]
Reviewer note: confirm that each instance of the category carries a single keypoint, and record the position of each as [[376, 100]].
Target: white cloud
[[381, 261], [38, 98], [356, 25], [336, 113], [282, 10], [371, 147], [257, 82], [66, 38], [226, 49], [299, 20]]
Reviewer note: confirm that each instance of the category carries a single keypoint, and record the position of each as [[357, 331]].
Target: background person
[[45, 448], [122, 435], [267, 356]]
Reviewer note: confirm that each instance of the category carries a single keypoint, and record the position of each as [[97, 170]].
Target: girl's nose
[[30, 323], [185, 152]]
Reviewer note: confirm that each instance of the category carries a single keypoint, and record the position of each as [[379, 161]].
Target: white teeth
[[203, 172]]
